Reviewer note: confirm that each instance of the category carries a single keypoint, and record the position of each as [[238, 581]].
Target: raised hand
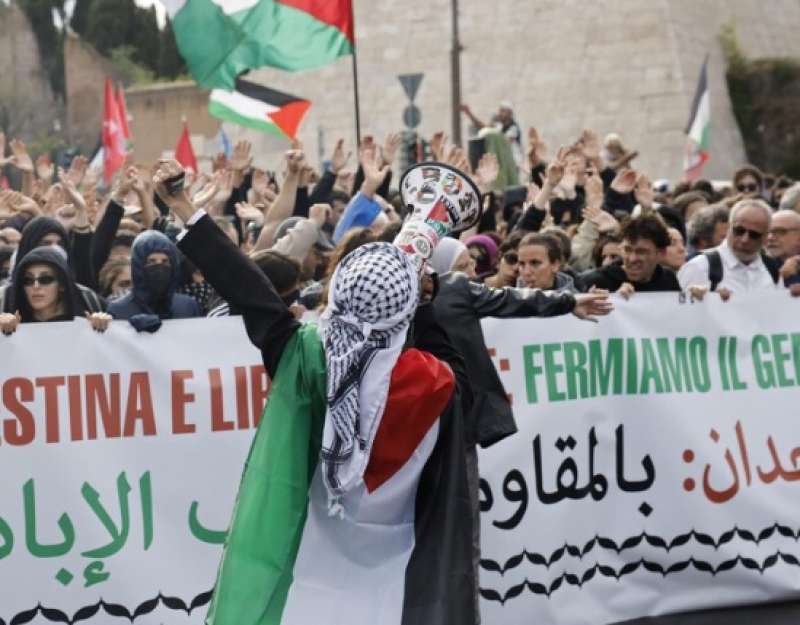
[[590, 142], [248, 212], [339, 158], [208, 191], [224, 183], [241, 158], [593, 185], [624, 181], [20, 157], [220, 161], [77, 170], [179, 202], [390, 146], [374, 171], [44, 167], [437, 143], [19, 203], [319, 213], [486, 174], [554, 172], [295, 159], [53, 199], [536, 148], [458, 159], [71, 190], [643, 192]]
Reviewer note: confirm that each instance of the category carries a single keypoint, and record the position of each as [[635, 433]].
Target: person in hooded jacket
[[45, 231], [156, 275], [44, 290]]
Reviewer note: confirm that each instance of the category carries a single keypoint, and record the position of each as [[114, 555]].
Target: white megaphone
[[440, 200]]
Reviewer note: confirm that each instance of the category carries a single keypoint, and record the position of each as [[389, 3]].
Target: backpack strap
[[773, 265], [714, 268]]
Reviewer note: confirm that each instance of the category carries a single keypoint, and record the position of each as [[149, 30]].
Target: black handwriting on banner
[[568, 484]]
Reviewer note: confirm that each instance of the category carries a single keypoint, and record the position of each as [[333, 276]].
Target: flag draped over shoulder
[[222, 38], [697, 130], [388, 558]]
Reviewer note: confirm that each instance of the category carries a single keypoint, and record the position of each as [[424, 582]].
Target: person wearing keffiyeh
[[347, 508]]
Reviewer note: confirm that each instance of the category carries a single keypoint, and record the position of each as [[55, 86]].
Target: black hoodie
[[55, 258]]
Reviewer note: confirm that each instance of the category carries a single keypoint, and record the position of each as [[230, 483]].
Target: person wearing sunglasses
[[748, 181], [739, 264], [44, 290]]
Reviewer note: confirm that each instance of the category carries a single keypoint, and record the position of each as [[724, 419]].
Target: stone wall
[[85, 73], [28, 108], [629, 66]]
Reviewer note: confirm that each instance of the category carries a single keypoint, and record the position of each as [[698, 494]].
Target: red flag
[[113, 138], [123, 114], [184, 153]]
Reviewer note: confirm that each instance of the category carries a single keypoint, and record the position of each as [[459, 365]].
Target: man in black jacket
[[644, 242], [463, 303]]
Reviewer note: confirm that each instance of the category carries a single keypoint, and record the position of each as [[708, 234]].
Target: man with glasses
[[783, 245], [738, 264]]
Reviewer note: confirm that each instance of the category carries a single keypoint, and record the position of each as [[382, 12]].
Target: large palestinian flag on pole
[[260, 108], [399, 550], [697, 130], [220, 39]]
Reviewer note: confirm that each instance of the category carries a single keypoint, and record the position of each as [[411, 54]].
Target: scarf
[[373, 295]]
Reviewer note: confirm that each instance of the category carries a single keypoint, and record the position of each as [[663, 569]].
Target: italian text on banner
[[657, 465], [120, 456]]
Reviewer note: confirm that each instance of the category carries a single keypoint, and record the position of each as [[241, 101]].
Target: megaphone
[[441, 200]]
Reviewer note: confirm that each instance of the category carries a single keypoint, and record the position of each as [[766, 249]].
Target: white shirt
[[736, 276]]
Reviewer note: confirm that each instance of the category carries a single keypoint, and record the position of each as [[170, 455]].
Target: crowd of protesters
[[586, 220], [555, 236]]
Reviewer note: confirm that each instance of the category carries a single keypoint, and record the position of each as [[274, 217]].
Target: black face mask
[[158, 278]]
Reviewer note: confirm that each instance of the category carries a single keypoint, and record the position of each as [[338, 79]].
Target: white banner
[[120, 456], [657, 464], [653, 471]]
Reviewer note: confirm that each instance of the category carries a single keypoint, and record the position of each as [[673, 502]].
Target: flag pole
[[355, 80]]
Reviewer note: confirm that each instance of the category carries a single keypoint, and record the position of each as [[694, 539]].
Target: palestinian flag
[[697, 130], [258, 107], [222, 38], [399, 553]]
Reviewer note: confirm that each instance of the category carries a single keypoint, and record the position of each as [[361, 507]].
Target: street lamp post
[[455, 76]]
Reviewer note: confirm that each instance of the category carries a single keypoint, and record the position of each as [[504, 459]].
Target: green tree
[[146, 38], [111, 25], [80, 16], [170, 61], [48, 38]]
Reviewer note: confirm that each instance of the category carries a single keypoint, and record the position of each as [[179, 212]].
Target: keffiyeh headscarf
[[373, 295]]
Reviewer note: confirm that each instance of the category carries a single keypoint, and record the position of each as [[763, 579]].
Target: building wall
[[85, 72], [27, 103], [627, 66]]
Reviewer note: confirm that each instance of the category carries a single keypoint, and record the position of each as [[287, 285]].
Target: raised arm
[[234, 276]]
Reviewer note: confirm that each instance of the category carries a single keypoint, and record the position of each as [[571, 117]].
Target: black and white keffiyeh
[[373, 295]]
